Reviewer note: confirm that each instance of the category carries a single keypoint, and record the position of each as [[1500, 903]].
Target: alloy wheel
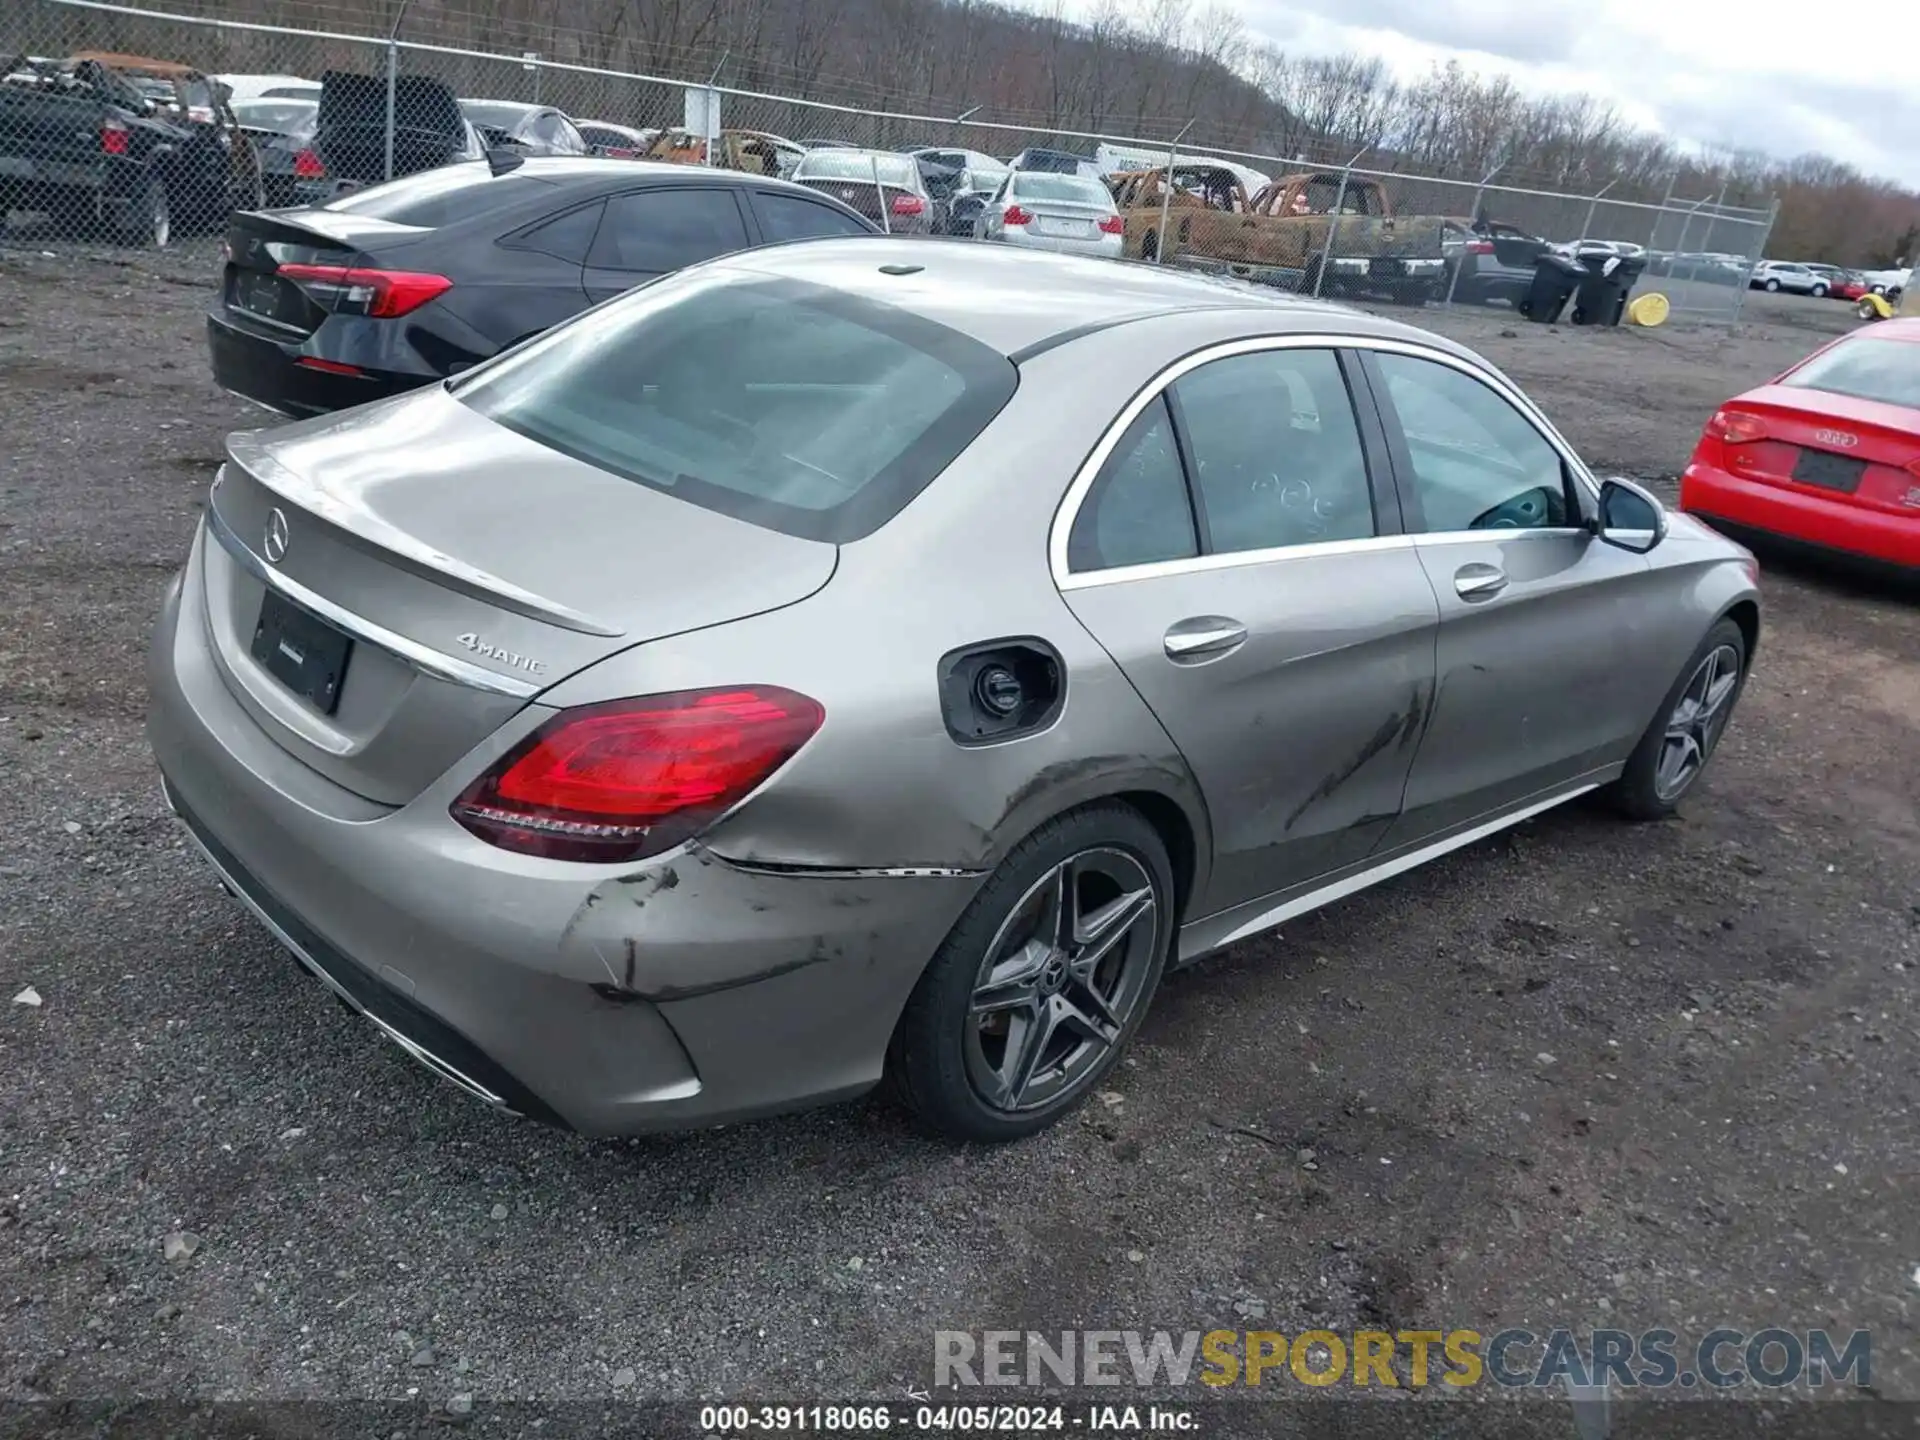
[[1697, 721], [1063, 977]]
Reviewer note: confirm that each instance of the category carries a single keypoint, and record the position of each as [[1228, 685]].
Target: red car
[[1847, 285], [1827, 454]]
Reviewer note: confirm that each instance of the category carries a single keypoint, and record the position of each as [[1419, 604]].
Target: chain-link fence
[[131, 126]]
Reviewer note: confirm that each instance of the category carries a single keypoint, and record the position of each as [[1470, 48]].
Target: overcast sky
[[1785, 79]]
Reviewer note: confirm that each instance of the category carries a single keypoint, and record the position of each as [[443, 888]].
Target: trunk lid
[[350, 126], [48, 127], [1838, 445], [469, 567], [1065, 219], [252, 290]]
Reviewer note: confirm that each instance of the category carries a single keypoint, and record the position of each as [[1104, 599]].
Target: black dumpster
[[1555, 278], [1602, 296]]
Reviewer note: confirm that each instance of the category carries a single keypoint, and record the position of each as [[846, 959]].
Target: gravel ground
[[1580, 1074]]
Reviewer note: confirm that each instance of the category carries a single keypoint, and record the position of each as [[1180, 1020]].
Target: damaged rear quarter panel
[[883, 784]]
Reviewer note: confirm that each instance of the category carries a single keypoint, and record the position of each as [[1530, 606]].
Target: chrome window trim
[[1068, 510], [411, 652]]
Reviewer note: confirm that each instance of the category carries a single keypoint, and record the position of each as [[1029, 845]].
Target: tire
[[1639, 793], [1773, 284], [1879, 289], [1819, 292], [1866, 311], [1150, 245], [945, 1060], [147, 223]]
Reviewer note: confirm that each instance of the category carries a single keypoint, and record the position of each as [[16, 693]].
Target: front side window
[[789, 405], [1478, 463], [1275, 450]]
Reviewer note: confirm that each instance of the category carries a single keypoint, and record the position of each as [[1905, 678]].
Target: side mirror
[[1630, 516]]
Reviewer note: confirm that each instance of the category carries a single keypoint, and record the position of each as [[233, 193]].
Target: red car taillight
[[1733, 428], [908, 205], [1016, 216], [307, 166], [1480, 247], [350, 290], [113, 138], [620, 781], [1112, 225]]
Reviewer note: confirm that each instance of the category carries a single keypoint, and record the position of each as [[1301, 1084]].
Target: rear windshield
[[856, 165], [451, 193], [284, 116], [790, 405], [501, 116], [1866, 369], [1038, 185]]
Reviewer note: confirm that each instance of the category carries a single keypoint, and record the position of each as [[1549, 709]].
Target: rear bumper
[[268, 373], [1814, 521], [680, 992]]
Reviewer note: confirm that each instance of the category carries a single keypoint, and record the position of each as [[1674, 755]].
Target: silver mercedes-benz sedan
[[860, 659]]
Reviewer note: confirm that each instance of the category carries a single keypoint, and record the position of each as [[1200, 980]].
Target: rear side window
[[445, 196], [1137, 511], [1866, 369], [783, 217], [654, 231], [789, 405], [565, 237]]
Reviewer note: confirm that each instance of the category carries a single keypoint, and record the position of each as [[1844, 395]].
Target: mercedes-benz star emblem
[[276, 535]]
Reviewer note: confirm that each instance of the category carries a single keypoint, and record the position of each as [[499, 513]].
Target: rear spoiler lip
[[253, 452]]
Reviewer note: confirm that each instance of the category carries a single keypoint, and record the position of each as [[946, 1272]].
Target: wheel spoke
[[1096, 1023], [1014, 981], [1106, 928], [1025, 1051], [1065, 912]]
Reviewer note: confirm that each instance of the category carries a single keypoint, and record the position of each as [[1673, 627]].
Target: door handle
[[1479, 582], [1204, 635]]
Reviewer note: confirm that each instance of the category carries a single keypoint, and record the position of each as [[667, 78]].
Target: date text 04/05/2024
[[932, 1419]]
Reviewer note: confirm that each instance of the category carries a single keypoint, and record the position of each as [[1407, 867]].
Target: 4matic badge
[[506, 657]]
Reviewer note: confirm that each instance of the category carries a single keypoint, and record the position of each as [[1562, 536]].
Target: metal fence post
[[1479, 197], [393, 78], [1593, 204], [1653, 231], [879, 195], [1333, 221], [1740, 292], [1166, 194]]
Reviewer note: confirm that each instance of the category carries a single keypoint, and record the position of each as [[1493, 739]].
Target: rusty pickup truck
[[1280, 235]]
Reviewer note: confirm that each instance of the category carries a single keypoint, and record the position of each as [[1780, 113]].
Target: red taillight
[[1732, 428], [328, 367], [1016, 216], [1480, 247], [908, 205], [347, 290], [307, 166], [615, 152], [113, 138], [630, 778], [1112, 225]]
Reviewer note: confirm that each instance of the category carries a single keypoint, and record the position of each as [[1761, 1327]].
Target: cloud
[[1700, 70]]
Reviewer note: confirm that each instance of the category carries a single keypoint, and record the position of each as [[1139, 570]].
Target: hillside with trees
[[1142, 71]]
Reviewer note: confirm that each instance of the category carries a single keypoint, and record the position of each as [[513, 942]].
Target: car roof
[[561, 168], [1018, 301]]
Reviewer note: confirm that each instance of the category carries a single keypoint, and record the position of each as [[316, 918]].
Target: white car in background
[[1787, 275], [1040, 210], [1886, 282], [269, 87]]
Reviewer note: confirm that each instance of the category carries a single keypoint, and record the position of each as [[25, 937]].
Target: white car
[[1044, 211], [1886, 282], [269, 87], [1787, 275]]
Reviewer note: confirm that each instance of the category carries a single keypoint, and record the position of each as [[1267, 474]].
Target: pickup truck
[[120, 146], [1279, 235]]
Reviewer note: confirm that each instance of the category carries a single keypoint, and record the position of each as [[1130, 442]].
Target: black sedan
[[399, 285]]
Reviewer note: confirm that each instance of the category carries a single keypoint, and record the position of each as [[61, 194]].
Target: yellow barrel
[[1648, 309]]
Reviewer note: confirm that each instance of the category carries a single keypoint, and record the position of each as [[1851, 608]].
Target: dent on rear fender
[[694, 924]]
